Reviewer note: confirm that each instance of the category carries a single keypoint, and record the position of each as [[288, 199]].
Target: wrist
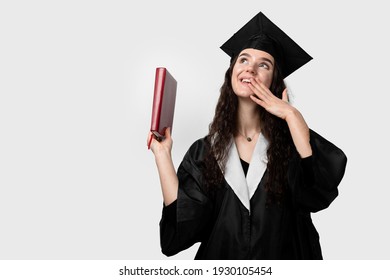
[[162, 154], [292, 115]]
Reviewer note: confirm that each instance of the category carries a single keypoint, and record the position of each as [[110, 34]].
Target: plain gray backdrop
[[76, 85]]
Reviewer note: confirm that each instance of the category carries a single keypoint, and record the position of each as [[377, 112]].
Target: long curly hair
[[224, 127]]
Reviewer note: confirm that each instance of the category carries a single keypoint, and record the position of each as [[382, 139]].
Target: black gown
[[228, 230]]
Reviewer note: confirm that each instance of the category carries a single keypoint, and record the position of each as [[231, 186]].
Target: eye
[[263, 65], [243, 60]]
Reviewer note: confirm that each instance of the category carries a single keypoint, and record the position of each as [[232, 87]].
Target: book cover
[[164, 99]]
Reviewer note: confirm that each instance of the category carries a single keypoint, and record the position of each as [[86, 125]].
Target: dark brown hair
[[224, 127]]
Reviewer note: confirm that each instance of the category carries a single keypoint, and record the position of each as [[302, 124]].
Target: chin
[[244, 94]]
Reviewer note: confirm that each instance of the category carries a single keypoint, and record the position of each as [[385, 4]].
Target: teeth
[[246, 81]]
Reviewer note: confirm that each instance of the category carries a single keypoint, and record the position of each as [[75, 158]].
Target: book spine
[[159, 85]]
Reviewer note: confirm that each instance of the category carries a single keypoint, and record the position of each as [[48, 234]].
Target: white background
[[76, 85]]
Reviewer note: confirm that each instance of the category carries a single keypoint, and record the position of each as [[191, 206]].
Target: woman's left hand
[[266, 99], [282, 109]]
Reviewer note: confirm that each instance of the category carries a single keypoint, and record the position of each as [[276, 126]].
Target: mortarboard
[[262, 34]]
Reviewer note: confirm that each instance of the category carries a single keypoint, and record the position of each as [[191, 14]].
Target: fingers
[[150, 140], [285, 95], [168, 133], [260, 90], [263, 97], [258, 101], [259, 94]]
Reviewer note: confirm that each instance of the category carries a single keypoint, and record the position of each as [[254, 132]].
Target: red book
[[163, 102]]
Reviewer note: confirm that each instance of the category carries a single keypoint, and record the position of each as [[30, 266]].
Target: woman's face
[[252, 63]]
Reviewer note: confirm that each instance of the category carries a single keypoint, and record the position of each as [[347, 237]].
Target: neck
[[248, 122]]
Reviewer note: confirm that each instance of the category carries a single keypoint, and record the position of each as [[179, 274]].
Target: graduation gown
[[238, 223]]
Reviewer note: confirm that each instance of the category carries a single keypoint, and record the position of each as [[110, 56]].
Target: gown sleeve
[[184, 221], [315, 179]]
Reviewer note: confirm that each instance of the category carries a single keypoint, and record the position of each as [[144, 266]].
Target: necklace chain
[[248, 138]]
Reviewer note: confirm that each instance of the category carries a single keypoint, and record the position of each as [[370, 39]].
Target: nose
[[251, 69]]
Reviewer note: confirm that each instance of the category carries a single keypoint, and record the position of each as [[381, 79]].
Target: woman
[[247, 189]]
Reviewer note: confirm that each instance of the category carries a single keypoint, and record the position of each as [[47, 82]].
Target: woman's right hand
[[166, 170], [164, 146]]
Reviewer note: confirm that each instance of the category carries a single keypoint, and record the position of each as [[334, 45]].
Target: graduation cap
[[262, 34]]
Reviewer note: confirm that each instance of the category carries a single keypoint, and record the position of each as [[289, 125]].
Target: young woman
[[246, 190]]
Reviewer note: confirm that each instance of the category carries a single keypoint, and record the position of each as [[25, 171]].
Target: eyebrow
[[262, 58]]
